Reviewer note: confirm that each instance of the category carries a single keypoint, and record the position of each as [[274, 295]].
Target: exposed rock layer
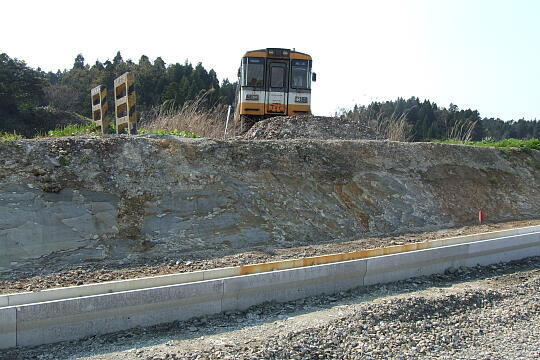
[[82, 199]]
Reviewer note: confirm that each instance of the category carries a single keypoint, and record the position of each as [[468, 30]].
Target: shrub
[[9, 136]]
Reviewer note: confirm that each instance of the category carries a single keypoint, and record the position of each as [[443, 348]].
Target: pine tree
[[79, 62]]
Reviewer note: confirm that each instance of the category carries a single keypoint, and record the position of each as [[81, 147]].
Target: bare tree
[[61, 97]]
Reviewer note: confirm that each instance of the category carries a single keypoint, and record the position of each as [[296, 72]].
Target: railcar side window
[[300, 74], [254, 72]]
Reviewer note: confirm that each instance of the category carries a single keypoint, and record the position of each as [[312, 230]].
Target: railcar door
[[276, 87]]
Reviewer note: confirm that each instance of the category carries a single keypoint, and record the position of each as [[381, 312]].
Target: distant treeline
[[30, 99], [25, 91], [424, 120], [155, 83]]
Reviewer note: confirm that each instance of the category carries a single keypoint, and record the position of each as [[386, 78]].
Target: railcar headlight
[[252, 96], [301, 99]]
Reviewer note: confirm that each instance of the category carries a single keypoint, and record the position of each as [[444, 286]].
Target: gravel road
[[476, 313], [51, 277]]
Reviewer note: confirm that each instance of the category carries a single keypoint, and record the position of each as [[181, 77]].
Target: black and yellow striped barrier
[[124, 100], [100, 107]]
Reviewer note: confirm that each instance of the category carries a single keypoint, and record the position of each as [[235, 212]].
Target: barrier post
[[124, 101], [227, 122], [100, 107]]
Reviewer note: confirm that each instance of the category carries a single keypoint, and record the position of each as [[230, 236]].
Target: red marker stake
[[481, 217]]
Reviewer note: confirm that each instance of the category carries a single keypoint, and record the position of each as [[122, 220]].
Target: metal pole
[[227, 122]]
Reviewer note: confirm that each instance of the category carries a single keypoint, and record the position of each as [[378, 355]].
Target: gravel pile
[[468, 313], [310, 127]]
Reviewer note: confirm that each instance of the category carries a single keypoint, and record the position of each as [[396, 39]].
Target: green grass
[[74, 130], [174, 132], [91, 129], [506, 144], [9, 136]]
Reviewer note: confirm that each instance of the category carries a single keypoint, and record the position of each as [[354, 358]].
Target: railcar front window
[[277, 77], [254, 72]]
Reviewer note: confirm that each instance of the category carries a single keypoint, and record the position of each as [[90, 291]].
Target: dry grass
[[394, 128], [461, 131], [192, 117]]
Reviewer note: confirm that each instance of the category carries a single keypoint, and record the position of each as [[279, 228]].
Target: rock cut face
[[73, 200]]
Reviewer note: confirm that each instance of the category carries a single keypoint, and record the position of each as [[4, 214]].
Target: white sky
[[480, 54]]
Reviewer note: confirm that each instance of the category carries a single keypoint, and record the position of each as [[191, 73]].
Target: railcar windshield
[[300, 74], [253, 72]]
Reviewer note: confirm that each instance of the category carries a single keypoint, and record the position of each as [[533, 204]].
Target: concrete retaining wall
[[115, 286], [8, 327], [175, 279], [69, 319], [241, 292], [52, 321]]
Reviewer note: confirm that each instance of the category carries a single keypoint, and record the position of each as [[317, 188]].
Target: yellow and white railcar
[[274, 82]]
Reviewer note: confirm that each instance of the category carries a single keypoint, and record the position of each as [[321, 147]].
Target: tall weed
[[193, 117]]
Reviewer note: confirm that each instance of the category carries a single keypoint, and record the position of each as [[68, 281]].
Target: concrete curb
[[115, 286], [69, 319], [8, 327], [175, 279]]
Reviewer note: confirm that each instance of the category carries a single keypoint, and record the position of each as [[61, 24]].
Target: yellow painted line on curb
[[388, 250]]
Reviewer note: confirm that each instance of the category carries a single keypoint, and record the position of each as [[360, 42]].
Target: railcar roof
[[264, 53]]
